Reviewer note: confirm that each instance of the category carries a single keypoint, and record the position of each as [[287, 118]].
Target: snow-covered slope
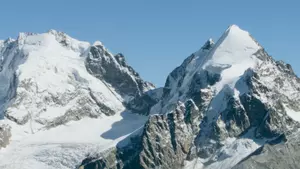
[[58, 106], [224, 61], [69, 104], [221, 104]]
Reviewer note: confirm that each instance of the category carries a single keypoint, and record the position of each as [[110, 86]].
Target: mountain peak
[[234, 45], [98, 43], [238, 34], [236, 31], [233, 27], [226, 61], [232, 55], [53, 31]]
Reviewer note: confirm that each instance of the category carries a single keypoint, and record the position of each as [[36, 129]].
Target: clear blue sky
[[157, 35]]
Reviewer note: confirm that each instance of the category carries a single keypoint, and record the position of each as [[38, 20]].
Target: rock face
[[5, 135], [284, 155], [115, 71], [241, 98], [142, 104], [167, 140]]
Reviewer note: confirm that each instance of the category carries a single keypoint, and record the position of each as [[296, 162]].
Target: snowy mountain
[[224, 102], [69, 104], [59, 96]]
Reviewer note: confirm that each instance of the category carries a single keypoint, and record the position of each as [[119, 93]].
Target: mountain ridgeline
[[220, 105], [228, 105]]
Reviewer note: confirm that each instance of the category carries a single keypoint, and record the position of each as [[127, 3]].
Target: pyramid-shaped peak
[[236, 36], [233, 26], [233, 50], [236, 30]]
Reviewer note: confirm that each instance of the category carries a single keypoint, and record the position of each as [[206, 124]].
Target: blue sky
[[157, 35]]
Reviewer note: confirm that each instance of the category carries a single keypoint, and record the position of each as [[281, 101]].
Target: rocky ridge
[[238, 93], [228, 105]]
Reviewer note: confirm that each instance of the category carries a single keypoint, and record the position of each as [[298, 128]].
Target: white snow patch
[[65, 146], [292, 113], [233, 152], [194, 164]]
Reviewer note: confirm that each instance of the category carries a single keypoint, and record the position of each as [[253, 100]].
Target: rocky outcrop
[[167, 140], [5, 134], [270, 156], [114, 71], [256, 112], [142, 104]]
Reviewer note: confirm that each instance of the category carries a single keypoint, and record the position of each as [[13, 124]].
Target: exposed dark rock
[[142, 104], [276, 156], [5, 134], [167, 140], [114, 71]]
